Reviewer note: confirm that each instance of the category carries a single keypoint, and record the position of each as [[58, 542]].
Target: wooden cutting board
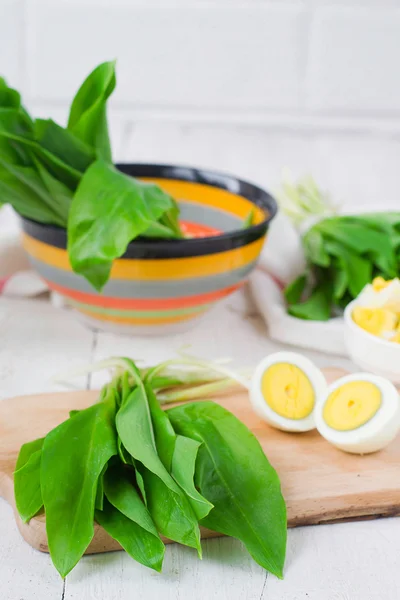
[[320, 483]]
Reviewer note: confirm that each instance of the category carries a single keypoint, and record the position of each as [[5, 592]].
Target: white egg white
[[312, 372], [374, 435]]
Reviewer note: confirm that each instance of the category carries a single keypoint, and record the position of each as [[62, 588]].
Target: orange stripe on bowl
[[140, 303]]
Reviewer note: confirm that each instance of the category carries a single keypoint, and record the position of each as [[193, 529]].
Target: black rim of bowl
[[145, 248]]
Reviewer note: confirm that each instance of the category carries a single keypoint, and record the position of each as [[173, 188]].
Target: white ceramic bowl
[[370, 352]]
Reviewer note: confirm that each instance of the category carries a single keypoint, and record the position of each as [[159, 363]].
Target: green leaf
[[99, 502], [359, 270], [24, 190], [60, 194], [120, 491], [316, 254], [316, 308], [28, 495], [361, 239], [26, 452], [9, 98], [171, 511], [164, 433], [138, 543], [248, 221], [340, 281], [87, 117], [64, 144], [173, 516], [233, 473], [140, 484], [170, 220], [14, 124], [59, 169], [73, 457], [134, 416], [108, 211], [183, 468], [294, 290], [159, 231]]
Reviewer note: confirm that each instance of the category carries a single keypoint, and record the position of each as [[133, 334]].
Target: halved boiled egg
[[285, 389], [359, 413]]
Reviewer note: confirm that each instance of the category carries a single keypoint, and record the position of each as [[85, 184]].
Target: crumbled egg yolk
[[288, 391], [351, 405], [379, 284], [375, 320]]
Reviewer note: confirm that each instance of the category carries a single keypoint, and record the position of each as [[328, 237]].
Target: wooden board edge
[[34, 532]]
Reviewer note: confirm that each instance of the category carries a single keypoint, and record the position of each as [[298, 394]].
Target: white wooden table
[[354, 561]]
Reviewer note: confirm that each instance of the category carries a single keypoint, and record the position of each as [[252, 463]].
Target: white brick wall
[[241, 85]]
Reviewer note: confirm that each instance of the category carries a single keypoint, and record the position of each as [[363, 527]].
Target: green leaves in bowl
[[64, 176], [140, 472]]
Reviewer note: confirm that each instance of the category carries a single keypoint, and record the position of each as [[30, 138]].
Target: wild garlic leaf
[[183, 469], [109, 210], [64, 144], [234, 474], [28, 495], [164, 433], [135, 429], [100, 489], [316, 308], [22, 188], [57, 167], [173, 516], [139, 544], [26, 452], [120, 491], [359, 269], [315, 251], [88, 115], [294, 290], [248, 220], [75, 453], [171, 511]]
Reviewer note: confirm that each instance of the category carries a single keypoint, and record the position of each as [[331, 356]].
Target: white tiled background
[[247, 86]]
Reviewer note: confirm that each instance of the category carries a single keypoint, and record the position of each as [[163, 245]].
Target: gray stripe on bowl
[[207, 215], [120, 288]]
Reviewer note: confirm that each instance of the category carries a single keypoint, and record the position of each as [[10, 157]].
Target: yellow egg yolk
[[351, 405], [288, 391], [375, 320], [379, 284]]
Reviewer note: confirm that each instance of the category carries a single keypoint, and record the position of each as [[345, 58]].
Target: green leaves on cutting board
[[233, 473], [64, 176], [127, 519], [75, 454], [141, 472], [28, 495], [344, 254]]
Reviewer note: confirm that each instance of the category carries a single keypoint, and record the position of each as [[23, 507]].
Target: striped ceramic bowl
[[162, 285]]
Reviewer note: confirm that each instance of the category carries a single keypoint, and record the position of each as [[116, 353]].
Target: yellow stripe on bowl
[[154, 269], [142, 321]]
